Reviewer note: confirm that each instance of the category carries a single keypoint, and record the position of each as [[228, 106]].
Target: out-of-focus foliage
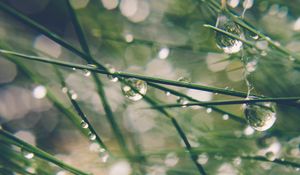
[[158, 38]]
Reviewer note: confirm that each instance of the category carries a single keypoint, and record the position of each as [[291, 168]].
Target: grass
[[136, 155]]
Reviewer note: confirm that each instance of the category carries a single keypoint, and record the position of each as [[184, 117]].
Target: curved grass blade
[[281, 100], [131, 75]]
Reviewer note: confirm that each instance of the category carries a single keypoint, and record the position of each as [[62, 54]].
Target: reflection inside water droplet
[[140, 87], [228, 44], [260, 116]]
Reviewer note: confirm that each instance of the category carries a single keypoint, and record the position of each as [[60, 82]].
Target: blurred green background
[[159, 38]]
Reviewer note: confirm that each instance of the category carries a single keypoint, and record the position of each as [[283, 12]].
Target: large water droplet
[[228, 44], [260, 116], [129, 92]]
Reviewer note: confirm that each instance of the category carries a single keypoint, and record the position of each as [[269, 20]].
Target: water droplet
[[168, 93], [202, 158], [184, 79], [297, 169], [171, 159], [129, 38], [255, 37], [64, 89], [139, 85], [92, 136], [112, 70], [74, 96], [84, 124], [163, 53], [183, 101], [270, 156], [27, 155], [260, 116], [225, 117], [73, 68], [228, 44], [104, 155], [92, 65], [208, 110], [86, 72], [39, 92]]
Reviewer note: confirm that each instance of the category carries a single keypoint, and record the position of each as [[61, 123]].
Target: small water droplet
[[183, 101], [92, 136], [163, 53], [168, 93], [208, 110], [64, 89], [84, 124], [202, 158], [184, 79], [255, 37], [129, 38], [228, 44], [260, 116], [74, 96], [112, 70], [225, 117], [270, 156], [297, 169], [73, 68], [139, 85], [27, 155], [92, 65], [86, 72]]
